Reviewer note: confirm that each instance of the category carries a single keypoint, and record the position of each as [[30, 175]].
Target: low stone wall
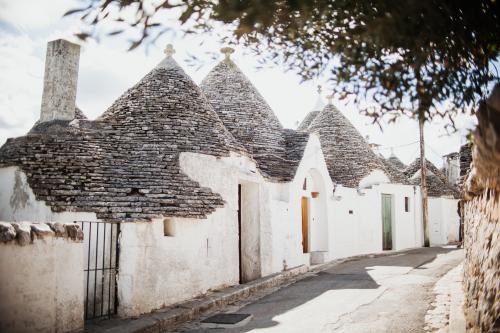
[[482, 265], [481, 195], [41, 277]]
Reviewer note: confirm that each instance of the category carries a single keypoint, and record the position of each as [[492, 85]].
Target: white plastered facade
[[169, 260], [444, 221]]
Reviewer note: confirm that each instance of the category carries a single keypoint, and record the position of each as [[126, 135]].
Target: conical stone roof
[[348, 156], [395, 174], [396, 162], [252, 122], [304, 125], [125, 165], [414, 167], [437, 183], [436, 187]]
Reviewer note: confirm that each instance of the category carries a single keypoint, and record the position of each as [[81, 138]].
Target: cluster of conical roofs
[[125, 164]]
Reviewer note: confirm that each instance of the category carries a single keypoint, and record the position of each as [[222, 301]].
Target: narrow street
[[385, 294]]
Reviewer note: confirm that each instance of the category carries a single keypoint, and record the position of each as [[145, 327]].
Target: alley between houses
[[384, 294]]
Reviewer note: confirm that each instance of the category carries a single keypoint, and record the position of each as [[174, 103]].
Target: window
[[351, 211], [304, 186], [168, 228], [407, 204]]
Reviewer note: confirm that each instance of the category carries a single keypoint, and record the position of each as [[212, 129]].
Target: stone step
[[318, 257]]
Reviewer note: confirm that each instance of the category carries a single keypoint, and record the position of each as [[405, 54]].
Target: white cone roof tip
[[392, 152], [320, 104], [227, 51]]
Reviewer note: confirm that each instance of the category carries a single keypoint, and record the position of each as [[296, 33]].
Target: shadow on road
[[349, 275]]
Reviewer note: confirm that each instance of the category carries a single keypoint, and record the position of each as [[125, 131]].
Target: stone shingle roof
[[79, 114], [414, 167], [43, 127], [437, 183], [395, 174], [436, 187], [125, 164], [304, 125], [396, 162], [251, 121], [348, 157]]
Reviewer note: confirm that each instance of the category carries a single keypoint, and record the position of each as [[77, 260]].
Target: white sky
[[107, 70]]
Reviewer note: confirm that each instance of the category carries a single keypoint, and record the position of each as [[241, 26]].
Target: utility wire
[[399, 146]]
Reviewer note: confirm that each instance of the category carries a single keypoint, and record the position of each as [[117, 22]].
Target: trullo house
[[190, 189]]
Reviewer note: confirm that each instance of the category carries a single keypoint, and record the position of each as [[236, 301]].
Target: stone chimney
[[60, 80]]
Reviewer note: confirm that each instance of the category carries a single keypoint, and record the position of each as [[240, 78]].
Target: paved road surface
[[386, 294]]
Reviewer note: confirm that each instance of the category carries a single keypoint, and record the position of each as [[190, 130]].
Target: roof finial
[[227, 51], [330, 98], [319, 89], [169, 50]]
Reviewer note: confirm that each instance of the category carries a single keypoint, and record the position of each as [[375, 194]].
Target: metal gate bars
[[100, 268]]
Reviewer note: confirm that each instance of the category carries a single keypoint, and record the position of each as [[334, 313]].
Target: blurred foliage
[[415, 57]]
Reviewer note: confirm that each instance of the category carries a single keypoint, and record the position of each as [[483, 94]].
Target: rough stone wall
[[481, 194], [482, 264], [465, 157], [60, 81], [41, 277]]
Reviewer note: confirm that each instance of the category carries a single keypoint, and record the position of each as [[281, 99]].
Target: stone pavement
[[447, 312]]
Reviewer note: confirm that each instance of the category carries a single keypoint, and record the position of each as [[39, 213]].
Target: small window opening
[[168, 228], [304, 186], [407, 204], [351, 211]]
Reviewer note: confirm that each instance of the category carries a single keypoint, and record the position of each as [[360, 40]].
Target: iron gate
[[100, 268]]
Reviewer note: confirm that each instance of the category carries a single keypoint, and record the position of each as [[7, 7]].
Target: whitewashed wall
[[452, 219], [355, 224], [41, 285], [197, 255], [286, 218], [443, 221], [356, 219], [407, 226]]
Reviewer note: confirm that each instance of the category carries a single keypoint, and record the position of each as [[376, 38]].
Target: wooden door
[[387, 221], [305, 225]]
